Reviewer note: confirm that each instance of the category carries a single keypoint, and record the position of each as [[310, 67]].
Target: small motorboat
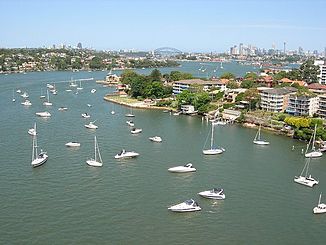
[[91, 125], [62, 108], [25, 95], [157, 139], [72, 144], [26, 103], [130, 123], [321, 207], [216, 193], [126, 154], [93, 90], [112, 112], [43, 114], [136, 130], [32, 131], [85, 115], [18, 91], [89, 105], [186, 206], [182, 169], [129, 115]]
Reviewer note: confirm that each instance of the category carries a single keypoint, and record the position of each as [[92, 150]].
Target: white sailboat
[[257, 140], [321, 207], [80, 87], [42, 96], [130, 114], [13, 96], [47, 103], [313, 152], [304, 178], [212, 150], [38, 158], [97, 161], [221, 66]]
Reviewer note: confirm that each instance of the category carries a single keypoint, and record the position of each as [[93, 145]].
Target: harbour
[[127, 200]]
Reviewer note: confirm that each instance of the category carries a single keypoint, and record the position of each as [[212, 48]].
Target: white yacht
[[32, 131], [62, 108], [304, 178], [157, 139], [186, 206], [25, 95], [136, 130], [182, 169], [50, 86], [26, 103], [43, 114], [213, 150], [313, 152], [257, 140], [85, 115], [47, 103], [97, 161], [126, 154], [216, 193], [18, 91], [130, 123], [91, 125], [80, 86], [93, 90], [38, 159], [72, 144], [321, 207]]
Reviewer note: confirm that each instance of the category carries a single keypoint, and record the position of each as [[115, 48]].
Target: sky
[[188, 25]]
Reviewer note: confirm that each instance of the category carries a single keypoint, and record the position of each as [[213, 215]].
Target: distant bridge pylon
[[166, 52]]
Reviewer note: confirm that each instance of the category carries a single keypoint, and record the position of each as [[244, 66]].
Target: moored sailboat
[[97, 161], [304, 178], [38, 158], [313, 152], [213, 150], [257, 140]]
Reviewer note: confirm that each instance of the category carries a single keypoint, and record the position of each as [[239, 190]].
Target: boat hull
[[313, 154], [72, 144], [261, 142], [94, 163], [126, 155], [210, 195], [39, 161], [181, 169], [212, 151], [304, 181]]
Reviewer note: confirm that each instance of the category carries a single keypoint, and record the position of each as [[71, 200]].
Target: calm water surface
[[125, 202]]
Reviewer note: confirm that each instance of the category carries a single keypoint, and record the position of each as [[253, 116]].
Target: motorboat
[[112, 112], [91, 125], [25, 95], [257, 140], [27, 103], [89, 105], [130, 123], [186, 206], [72, 144], [18, 91], [97, 161], [216, 193], [93, 90], [304, 178], [38, 158], [85, 115], [177, 113], [321, 207], [43, 114], [136, 130], [50, 86], [126, 154], [32, 131], [157, 139], [129, 115], [182, 169], [62, 108], [313, 151]]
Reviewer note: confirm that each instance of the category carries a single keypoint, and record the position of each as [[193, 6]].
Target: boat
[[216, 193], [93, 90], [218, 122], [13, 96], [43, 114], [221, 65], [136, 130], [304, 178], [213, 150], [27, 103], [62, 108], [50, 86], [38, 158], [68, 90], [72, 84], [80, 87], [321, 207], [89, 105], [42, 96], [257, 140], [85, 115], [177, 113], [97, 161], [130, 114], [91, 125], [313, 152], [25, 95], [130, 123], [18, 91], [47, 103], [72, 144], [126, 154], [182, 169], [186, 206], [157, 139], [32, 131], [112, 112]]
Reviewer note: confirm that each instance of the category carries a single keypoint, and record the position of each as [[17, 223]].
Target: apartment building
[[276, 99], [304, 105]]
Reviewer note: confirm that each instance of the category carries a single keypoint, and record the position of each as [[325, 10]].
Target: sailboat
[[321, 207], [305, 179], [13, 96], [257, 140], [47, 103], [130, 114], [80, 87], [97, 161], [313, 152], [221, 66], [42, 96], [38, 159], [212, 150]]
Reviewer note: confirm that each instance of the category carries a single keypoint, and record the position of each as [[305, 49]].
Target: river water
[[125, 202]]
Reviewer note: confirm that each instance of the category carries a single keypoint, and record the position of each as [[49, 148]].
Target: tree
[[96, 63], [309, 72], [155, 75], [177, 76], [201, 102], [128, 76], [232, 85], [247, 84], [137, 87], [227, 75]]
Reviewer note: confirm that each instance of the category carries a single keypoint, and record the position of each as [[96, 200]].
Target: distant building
[[79, 46], [289, 81], [276, 100], [179, 86], [322, 71], [302, 105], [317, 88], [322, 106]]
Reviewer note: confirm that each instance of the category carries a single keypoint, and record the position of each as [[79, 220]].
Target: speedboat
[[91, 125], [186, 206], [129, 115], [316, 153], [307, 181], [130, 123], [136, 130], [126, 154], [93, 90], [321, 207], [182, 169], [43, 114], [155, 139], [25, 95], [86, 115], [62, 108], [50, 86], [18, 91], [216, 193], [46, 103], [32, 131], [72, 144], [27, 103]]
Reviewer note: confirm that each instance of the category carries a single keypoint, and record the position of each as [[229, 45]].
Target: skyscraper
[[284, 47], [79, 46]]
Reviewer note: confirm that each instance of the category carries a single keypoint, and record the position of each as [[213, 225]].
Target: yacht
[[130, 123], [216, 193], [304, 178], [85, 115], [97, 161], [91, 125], [126, 154], [27, 103], [32, 131], [157, 139], [38, 159], [186, 206], [43, 114], [257, 140], [25, 95], [182, 169], [72, 144], [311, 151], [62, 108], [18, 91], [47, 103], [321, 207], [136, 130], [50, 86]]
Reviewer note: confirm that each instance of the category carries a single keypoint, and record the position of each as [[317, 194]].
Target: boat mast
[[319, 198], [95, 142], [314, 138], [212, 136]]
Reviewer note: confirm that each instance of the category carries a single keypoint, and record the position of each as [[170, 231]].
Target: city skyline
[[203, 26]]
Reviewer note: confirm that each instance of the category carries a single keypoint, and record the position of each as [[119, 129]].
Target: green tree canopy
[[309, 71], [155, 75], [227, 75]]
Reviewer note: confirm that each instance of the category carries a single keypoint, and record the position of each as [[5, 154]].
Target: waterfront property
[[322, 106], [276, 100], [179, 86], [305, 105], [322, 71]]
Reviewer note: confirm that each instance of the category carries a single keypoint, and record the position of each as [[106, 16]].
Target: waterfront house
[[322, 106], [302, 105], [188, 109], [290, 82], [231, 94], [179, 86], [317, 88], [276, 99], [230, 115], [322, 71]]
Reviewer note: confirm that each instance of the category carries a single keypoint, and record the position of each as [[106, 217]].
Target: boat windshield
[[190, 202], [217, 190], [188, 165]]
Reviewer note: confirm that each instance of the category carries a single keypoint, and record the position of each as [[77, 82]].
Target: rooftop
[[280, 91]]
